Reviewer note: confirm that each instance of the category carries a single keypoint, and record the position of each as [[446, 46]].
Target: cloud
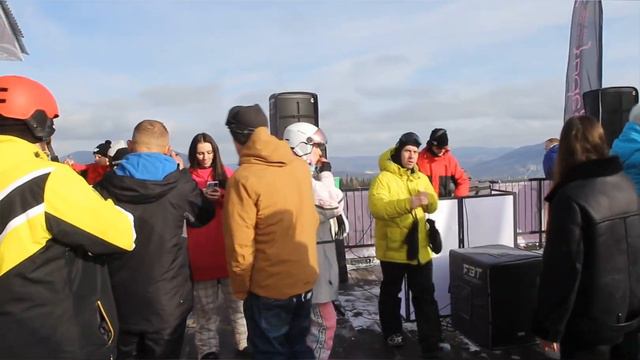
[[491, 72], [185, 110], [504, 116]]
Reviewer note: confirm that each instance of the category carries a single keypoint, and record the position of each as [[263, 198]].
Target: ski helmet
[[24, 99], [301, 137]]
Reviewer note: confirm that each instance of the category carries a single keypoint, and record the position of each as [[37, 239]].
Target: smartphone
[[213, 185]]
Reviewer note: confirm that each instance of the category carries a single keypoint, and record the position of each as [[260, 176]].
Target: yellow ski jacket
[[390, 204], [55, 297]]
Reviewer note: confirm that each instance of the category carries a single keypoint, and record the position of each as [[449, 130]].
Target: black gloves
[[324, 166]]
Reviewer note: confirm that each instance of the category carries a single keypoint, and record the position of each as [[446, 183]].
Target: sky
[[491, 72]]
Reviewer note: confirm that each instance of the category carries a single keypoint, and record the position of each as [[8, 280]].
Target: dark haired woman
[[207, 254], [589, 295]]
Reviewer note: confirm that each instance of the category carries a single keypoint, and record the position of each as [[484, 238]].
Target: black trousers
[[165, 344], [420, 281]]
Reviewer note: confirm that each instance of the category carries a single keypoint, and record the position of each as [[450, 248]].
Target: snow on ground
[[469, 344], [360, 303]]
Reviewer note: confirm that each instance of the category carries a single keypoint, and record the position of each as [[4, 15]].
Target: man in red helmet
[[55, 295]]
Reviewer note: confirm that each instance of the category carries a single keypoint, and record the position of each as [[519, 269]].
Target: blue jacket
[[627, 148], [548, 162]]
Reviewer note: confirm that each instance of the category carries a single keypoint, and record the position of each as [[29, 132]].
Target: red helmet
[[20, 97], [24, 99]]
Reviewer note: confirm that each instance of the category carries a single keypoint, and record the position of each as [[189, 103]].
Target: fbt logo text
[[471, 271]]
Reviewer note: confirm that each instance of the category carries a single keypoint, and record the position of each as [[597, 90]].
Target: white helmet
[[301, 137], [115, 146]]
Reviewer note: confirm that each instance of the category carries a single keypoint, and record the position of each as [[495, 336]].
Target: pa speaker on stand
[[611, 106], [286, 108]]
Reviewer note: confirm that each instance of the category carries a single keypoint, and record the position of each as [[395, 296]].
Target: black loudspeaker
[[611, 105], [494, 291], [287, 108]]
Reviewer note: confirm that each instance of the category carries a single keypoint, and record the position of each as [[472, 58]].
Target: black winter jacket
[[590, 281], [152, 284]]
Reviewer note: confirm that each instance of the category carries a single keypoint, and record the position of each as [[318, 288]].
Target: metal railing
[[361, 223], [531, 212]]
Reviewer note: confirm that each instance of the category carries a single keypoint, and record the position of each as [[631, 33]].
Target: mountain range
[[481, 163], [85, 157]]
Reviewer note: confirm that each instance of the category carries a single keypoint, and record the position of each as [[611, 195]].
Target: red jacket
[[444, 172], [91, 172], [206, 244]]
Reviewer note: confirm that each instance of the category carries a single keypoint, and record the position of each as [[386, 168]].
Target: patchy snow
[[361, 307], [471, 346], [361, 263], [361, 252]]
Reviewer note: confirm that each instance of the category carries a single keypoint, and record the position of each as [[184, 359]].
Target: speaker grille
[[291, 107], [611, 106]]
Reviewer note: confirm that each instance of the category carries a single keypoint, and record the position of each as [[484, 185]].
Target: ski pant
[[208, 297], [323, 328]]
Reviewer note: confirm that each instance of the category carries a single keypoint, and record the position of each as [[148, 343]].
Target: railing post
[[540, 208]]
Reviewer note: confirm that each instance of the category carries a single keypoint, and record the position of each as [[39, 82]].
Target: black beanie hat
[[245, 119], [102, 149], [408, 138], [438, 138]]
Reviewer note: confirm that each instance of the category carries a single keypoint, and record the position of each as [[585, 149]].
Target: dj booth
[[488, 286]]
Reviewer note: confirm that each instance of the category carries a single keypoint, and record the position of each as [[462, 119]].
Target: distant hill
[[480, 162], [82, 157], [523, 162], [472, 155], [354, 166], [86, 157]]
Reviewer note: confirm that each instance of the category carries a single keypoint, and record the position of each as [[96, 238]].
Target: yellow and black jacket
[[55, 295]]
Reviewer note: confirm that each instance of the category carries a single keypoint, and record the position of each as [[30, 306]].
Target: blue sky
[[491, 72]]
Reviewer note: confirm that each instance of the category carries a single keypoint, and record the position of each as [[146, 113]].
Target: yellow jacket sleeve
[[432, 206], [77, 215], [383, 201]]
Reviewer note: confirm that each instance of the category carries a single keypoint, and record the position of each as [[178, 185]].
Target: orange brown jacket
[[270, 221]]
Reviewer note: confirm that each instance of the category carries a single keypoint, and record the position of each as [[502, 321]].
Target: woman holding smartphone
[[207, 254]]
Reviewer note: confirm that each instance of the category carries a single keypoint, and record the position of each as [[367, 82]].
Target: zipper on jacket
[[104, 324]]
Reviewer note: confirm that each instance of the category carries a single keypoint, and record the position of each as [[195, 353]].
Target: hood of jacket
[[265, 149], [20, 149], [628, 143], [146, 165], [587, 170], [386, 164], [136, 191]]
